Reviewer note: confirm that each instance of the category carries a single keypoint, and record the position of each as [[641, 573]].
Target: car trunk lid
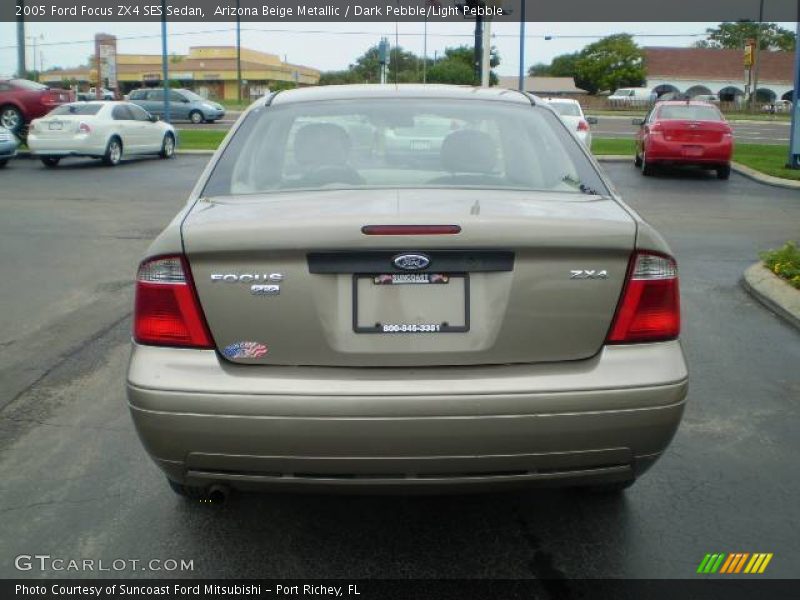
[[530, 277], [694, 132]]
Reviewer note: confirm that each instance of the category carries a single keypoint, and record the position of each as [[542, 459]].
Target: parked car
[[8, 146], [184, 105], [106, 130], [571, 113], [90, 95], [632, 97], [711, 98], [317, 317], [21, 101], [684, 133]]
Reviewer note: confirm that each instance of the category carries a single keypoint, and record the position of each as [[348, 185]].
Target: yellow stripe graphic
[[765, 563], [754, 562]]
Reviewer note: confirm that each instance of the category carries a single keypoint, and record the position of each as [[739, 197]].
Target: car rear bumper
[[77, 145], [206, 421], [662, 151]]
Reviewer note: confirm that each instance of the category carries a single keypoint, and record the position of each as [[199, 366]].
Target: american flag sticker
[[244, 350]]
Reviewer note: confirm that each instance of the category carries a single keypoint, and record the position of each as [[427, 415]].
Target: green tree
[[608, 64], [539, 70], [458, 67], [733, 35]]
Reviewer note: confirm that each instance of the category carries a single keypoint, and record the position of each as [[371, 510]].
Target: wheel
[[724, 172], [113, 153], [50, 161], [3, 163], [196, 117], [168, 146], [637, 161], [647, 169], [11, 119]]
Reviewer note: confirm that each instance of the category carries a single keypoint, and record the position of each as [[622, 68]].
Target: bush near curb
[[784, 262]]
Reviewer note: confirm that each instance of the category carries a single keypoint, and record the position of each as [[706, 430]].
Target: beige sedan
[[320, 316]]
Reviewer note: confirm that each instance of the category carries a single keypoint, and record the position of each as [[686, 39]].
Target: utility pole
[[239, 52], [478, 46], [757, 55], [794, 137], [21, 69], [486, 57], [522, 46], [164, 61]]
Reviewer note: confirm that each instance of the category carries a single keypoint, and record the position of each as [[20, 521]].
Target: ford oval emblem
[[411, 262]]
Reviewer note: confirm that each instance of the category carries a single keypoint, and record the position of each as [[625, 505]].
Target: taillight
[[167, 312], [649, 310], [84, 128], [583, 125]]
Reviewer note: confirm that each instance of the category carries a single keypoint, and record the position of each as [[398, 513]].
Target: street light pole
[[239, 52], [164, 60], [21, 68], [522, 46], [757, 54]]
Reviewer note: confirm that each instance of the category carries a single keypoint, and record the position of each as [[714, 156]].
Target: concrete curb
[[738, 167], [773, 292]]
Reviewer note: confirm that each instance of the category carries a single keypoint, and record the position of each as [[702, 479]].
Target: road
[[749, 132], [77, 484]]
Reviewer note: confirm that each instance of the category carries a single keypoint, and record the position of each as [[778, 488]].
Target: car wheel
[[196, 117], [50, 161], [724, 172], [11, 119], [113, 154], [637, 160], [647, 168], [3, 163], [168, 146]]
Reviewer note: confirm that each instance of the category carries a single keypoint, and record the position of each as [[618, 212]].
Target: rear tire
[[113, 154], [196, 117], [724, 172], [647, 169], [50, 161], [637, 161], [168, 146], [3, 163]]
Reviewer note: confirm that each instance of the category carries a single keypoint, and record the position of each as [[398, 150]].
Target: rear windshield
[[689, 112], [351, 144], [76, 109], [29, 85], [566, 109]]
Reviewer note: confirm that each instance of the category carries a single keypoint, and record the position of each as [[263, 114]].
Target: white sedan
[[105, 130], [571, 113]]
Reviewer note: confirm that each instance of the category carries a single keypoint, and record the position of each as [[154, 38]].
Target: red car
[[684, 133], [21, 101]]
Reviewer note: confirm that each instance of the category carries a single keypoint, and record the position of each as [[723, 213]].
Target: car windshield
[[29, 85], [689, 112], [350, 144], [76, 109], [566, 109]]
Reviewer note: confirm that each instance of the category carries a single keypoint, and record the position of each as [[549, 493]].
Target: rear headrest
[[469, 151], [321, 144]]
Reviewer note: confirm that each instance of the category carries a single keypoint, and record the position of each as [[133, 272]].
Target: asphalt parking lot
[[77, 484]]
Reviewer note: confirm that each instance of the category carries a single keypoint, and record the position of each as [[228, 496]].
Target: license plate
[[420, 145], [693, 151], [56, 126], [411, 303]]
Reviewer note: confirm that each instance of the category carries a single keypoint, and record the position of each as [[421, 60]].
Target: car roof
[[362, 91]]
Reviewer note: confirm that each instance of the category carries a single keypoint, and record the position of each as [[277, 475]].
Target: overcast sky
[[329, 46]]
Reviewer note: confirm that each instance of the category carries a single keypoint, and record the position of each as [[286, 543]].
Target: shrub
[[784, 262]]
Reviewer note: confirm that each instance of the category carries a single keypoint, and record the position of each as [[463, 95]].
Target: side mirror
[[154, 118], [638, 122], [591, 120]]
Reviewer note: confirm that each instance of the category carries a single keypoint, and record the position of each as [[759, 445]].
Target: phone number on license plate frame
[[450, 283]]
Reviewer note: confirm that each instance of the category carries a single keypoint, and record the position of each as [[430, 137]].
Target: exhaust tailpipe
[[218, 494]]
